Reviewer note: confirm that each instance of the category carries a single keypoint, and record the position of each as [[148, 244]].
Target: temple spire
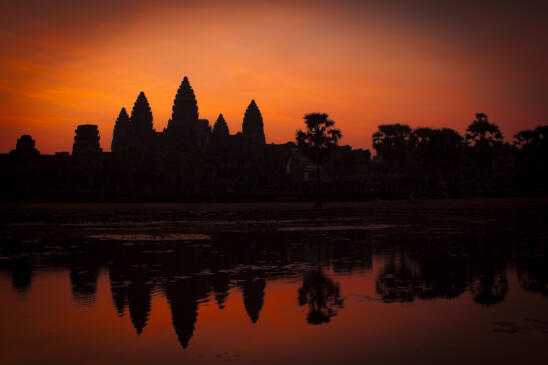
[[253, 123], [185, 107], [141, 115], [121, 131], [220, 128], [86, 140]]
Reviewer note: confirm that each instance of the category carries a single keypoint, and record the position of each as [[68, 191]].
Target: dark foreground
[[421, 281]]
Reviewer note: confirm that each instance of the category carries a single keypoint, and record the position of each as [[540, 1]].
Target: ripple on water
[[150, 237], [369, 227]]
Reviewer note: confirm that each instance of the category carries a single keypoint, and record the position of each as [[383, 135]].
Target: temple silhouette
[[193, 160], [189, 158]]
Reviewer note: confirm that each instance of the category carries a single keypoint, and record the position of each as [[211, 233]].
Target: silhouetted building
[[185, 124], [25, 147], [220, 128], [252, 126], [188, 158], [120, 135], [86, 140], [141, 117]]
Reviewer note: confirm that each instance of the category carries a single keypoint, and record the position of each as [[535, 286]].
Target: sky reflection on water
[[455, 293]]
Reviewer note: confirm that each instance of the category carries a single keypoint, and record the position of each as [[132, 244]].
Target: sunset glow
[[66, 63]]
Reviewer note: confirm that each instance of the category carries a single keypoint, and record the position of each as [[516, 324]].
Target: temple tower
[[120, 134], [220, 128], [25, 147], [141, 116], [252, 126], [185, 108], [86, 140], [185, 126]]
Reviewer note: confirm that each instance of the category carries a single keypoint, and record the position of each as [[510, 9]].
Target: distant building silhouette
[[220, 128], [86, 140], [140, 121], [188, 159], [252, 126], [120, 135], [25, 147]]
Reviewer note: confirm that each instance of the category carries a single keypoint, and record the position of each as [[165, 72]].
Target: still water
[[298, 290]]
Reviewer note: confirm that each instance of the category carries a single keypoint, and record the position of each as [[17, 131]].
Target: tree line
[[482, 154], [433, 160]]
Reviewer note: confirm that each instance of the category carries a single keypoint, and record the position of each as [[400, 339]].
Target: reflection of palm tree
[[396, 282], [489, 289], [443, 275], [532, 271], [534, 276], [322, 296], [490, 286]]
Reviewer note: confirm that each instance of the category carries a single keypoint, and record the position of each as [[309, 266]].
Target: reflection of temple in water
[[188, 274], [183, 296], [83, 280], [253, 293]]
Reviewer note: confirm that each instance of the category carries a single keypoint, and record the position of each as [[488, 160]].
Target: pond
[[392, 288]]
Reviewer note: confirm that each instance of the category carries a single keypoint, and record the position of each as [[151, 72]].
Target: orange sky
[[421, 63]]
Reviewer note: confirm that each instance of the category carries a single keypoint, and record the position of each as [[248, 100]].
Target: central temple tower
[[184, 123]]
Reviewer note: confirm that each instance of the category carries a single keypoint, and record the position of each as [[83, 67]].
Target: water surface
[[470, 287]]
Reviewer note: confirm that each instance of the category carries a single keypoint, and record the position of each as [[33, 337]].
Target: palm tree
[[319, 139], [392, 142], [485, 143], [482, 132]]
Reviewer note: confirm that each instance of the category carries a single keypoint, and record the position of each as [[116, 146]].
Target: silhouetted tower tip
[[25, 147], [141, 115], [253, 126], [121, 131], [220, 128], [185, 108]]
